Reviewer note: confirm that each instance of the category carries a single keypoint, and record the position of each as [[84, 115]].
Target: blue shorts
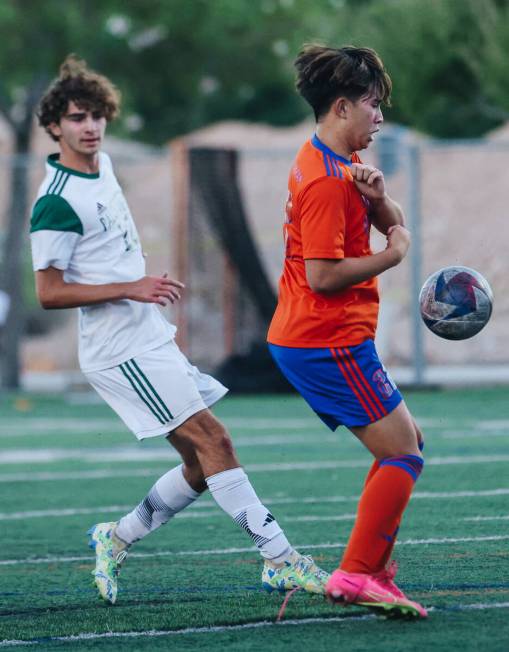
[[345, 386]]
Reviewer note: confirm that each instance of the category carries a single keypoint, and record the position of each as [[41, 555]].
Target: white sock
[[233, 492], [170, 495]]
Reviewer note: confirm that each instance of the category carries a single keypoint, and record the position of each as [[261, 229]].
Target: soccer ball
[[456, 302]]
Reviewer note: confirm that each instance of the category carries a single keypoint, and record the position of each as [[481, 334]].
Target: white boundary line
[[231, 551], [255, 423], [45, 476], [91, 636], [194, 510], [486, 518]]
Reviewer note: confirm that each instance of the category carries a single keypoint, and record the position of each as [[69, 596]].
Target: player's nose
[[91, 124]]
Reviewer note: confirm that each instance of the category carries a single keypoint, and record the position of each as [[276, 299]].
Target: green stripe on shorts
[[162, 404], [140, 390]]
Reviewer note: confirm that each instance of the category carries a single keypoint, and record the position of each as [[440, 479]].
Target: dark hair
[[324, 74], [86, 88]]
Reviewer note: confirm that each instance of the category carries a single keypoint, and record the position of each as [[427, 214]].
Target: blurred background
[[209, 127]]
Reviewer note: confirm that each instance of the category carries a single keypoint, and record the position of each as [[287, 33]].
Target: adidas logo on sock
[[268, 519]]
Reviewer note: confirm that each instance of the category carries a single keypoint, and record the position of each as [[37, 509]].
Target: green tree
[[446, 60]]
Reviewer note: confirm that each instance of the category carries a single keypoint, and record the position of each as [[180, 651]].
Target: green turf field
[[194, 583]]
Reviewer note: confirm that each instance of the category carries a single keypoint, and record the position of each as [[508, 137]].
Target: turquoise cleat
[[109, 555], [299, 572]]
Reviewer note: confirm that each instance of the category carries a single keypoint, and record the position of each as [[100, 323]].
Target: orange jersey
[[326, 217]]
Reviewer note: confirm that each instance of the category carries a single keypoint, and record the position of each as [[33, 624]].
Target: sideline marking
[[252, 468], [230, 551], [86, 636], [447, 428], [193, 510], [486, 518], [77, 424]]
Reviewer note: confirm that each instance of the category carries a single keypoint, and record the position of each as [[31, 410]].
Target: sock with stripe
[[233, 492], [170, 495], [381, 507], [376, 465]]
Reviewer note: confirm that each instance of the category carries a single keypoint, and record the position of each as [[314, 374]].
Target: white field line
[[115, 454], [137, 452], [29, 426], [358, 463], [310, 518], [129, 454], [32, 426], [256, 423], [92, 636], [474, 434], [231, 551], [76, 424], [312, 436], [50, 476], [493, 424], [276, 500], [188, 514], [91, 429], [193, 510], [486, 518]]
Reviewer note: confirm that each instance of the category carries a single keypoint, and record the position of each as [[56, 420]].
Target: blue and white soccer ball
[[456, 302]]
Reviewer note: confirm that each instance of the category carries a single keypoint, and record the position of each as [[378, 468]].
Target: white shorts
[[157, 391]]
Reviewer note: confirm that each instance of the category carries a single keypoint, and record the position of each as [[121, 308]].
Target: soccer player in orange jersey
[[322, 333]]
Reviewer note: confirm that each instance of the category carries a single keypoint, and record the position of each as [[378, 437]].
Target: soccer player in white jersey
[[86, 254]]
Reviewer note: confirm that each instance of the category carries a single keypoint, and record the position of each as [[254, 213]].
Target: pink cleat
[[386, 578], [377, 592]]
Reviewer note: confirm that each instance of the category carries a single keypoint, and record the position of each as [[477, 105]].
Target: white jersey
[[81, 224]]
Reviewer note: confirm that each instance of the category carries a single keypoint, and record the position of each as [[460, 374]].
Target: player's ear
[[340, 107], [55, 131]]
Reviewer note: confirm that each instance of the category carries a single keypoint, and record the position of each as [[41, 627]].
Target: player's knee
[[206, 432]]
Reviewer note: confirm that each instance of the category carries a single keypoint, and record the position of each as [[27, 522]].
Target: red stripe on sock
[[351, 385]]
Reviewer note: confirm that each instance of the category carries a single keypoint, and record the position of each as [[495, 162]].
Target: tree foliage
[[182, 64], [444, 57]]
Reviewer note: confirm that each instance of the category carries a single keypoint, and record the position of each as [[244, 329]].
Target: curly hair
[[76, 83], [324, 74]]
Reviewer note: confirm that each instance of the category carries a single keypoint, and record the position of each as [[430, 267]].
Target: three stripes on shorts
[[145, 390]]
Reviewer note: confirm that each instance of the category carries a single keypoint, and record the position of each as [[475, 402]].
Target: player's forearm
[[385, 212], [75, 295], [338, 275]]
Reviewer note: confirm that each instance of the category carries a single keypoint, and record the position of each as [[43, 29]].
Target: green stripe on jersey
[[54, 213], [54, 182], [61, 185]]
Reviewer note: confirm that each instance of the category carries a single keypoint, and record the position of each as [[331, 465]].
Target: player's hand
[[398, 241], [369, 180], [155, 289]]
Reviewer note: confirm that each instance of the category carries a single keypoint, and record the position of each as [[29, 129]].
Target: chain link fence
[[453, 194]]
